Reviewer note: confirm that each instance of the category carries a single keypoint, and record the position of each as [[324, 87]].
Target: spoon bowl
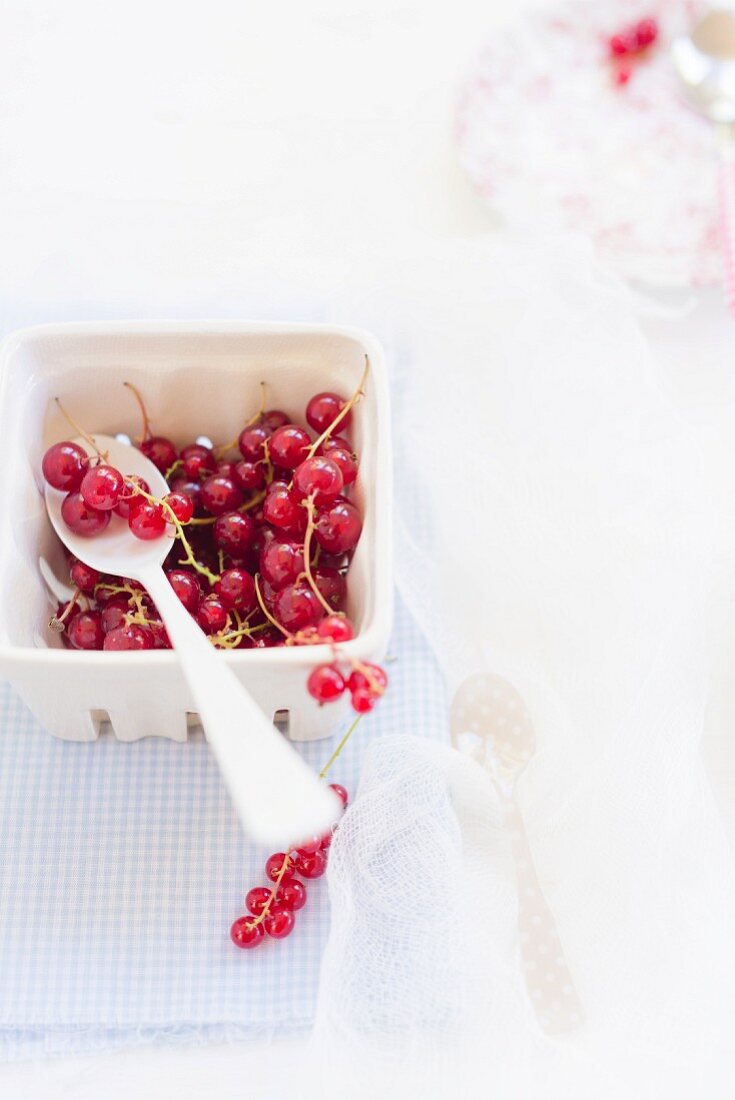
[[279, 799]]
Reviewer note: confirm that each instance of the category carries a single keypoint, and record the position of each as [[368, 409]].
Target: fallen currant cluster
[[271, 908], [262, 532], [630, 45]]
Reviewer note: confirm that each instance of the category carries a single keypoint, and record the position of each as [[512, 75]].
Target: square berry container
[[198, 379]]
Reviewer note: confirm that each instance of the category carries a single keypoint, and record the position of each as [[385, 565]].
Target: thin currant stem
[[274, 622], [274, 890], [223, 448], [309, 505], [58, 623], [359, 392], [141, 405], [340, 746], [85, 435], [173, 468], [358, 666]]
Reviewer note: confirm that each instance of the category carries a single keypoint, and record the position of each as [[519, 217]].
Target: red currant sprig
[[629, 45], [271, 909]]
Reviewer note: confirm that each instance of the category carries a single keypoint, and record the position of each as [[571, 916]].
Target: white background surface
[[205, 159]]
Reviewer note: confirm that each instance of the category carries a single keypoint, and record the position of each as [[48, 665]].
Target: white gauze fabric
[[554, 528]]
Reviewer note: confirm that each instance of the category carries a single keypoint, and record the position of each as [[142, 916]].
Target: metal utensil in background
[[705, 63]]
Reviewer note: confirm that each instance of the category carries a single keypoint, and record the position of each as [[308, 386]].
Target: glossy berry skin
[[236, 590], [279, 923], [80, 518], [318, 478], [289, 446], [322, 411], [102, 487], [160, 451], [341, 793], [220, 495], [338, 527], [363, 700], [325, 684], [347, 464], [146, 520], [114, 613], [129, 637], [281, 562], [274, 418], [332, 585], [234, 533], [282, 508], [85, 631], [189, 488], [187, 588], [249, 475], [84, 577], [336, 628], [376, 678], [197, 461], [311, 864], [128, 495], [291, 895], [274, 864], [181, 505], [64, 465], [296, 607], [333, 443], [212, 615], [257, 900], [245, 934], [252, 442]]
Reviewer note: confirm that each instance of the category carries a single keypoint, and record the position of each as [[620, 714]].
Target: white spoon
[[279, 799]]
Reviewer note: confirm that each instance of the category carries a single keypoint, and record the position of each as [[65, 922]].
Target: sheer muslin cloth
[[556, 529]]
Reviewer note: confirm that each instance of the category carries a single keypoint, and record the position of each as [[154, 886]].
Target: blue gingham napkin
[[122, 867]]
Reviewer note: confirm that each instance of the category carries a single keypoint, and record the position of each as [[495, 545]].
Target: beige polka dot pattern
[[490, 721]]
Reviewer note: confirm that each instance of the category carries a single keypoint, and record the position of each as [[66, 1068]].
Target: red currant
[[212, 616], [363, 700], [244, 933], [281, 562], [220, 495], [84, 577], [289, 446], [198, 461], [279, 923], [341, 793], [319, 478], [296, 607], [258, 898], [311, 864], [274, 418], [182, 506], [160, 451], [283, 509], [323, 409], [369, 676], [114, 613], [249, 475], [646, 33], [332, 585], [325, 684], [335, 628], [146, 520], [80, 518], [234, 533], [191, 489], [129, 637], [85, 630], [252, 442], [346, 462], [102, 487], [291, 895], [129, 494], [338, 527], [274, 865], [64, 465], [187, 588], [236, 589]]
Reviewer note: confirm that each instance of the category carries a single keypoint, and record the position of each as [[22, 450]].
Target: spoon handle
[[279, 799], [726, 143]]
